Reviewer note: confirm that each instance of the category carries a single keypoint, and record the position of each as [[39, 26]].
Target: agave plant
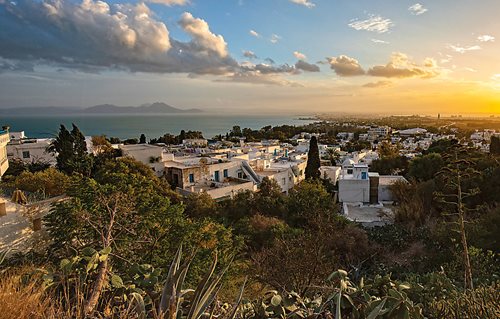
[[202, 298]]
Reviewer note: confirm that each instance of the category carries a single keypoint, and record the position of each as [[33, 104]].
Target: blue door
[[216, 176]]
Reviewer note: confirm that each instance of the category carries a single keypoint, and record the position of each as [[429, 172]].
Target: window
[[225, 173], [283, 181], [364, 175], [26, 154], [217, 176], [191, 178]]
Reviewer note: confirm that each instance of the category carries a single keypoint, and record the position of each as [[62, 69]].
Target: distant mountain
[[156, 108], [153, 108]]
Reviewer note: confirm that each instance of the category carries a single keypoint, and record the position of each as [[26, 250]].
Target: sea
[[152, 125]]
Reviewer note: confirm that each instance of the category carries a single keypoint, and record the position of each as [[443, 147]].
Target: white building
[[330, 172], [151, 155], [31, 151], [4, 140], [219, 178], [362, 186]]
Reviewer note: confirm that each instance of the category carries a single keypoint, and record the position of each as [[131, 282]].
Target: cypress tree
[[142, 139], [313, 161], [71, 150], [495, 145], [63, 146]]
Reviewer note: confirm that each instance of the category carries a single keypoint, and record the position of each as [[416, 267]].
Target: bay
[[152, 125]]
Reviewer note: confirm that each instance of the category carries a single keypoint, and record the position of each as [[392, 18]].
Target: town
[[226, 165]]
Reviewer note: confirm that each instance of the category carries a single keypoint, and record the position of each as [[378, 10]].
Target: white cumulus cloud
[[275, 38], [417, 9], [464, 49], [170, 2], [299, 55], [202, 36], [374, 23], [254, 33], [345, 66], [305, 3], [486, 38]]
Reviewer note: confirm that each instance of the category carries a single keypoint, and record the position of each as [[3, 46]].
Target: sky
[[308, 56]]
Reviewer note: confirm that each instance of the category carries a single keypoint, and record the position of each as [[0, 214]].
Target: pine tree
[[313, 161], [142, 139]]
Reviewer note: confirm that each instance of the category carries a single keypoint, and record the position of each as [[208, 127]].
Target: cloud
[[378, 84], [254, 77], [249, 54], [379, 41], [345, 66], [275, 38], [202, 36], [374, 23], [400, 66], [486, 38], [92, 36], [307, 67], [299, 55], [305, 3], [462, 50], [417, 9], [254, 33], [170, 2], [264, 68], [6, 65]]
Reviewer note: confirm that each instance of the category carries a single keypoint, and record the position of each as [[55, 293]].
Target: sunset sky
[[254, 55]]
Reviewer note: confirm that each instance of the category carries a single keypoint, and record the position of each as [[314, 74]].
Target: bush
[[49, 182]]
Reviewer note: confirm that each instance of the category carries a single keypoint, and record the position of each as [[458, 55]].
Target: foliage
[[71, 150], [313, 161], [495, 145], [200, 205], [426, 167], [17, 166], [388, 150], [483, 302], [300, 260], [396, 165], [414, 201], [49, 182], [308, 203]]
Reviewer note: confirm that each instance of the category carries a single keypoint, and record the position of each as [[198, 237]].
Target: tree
[[71, 149], [309, 203], [387, 150], [142, 139], [425, 168], [454, 196], [313, 161], [333, 156], [495, 145], [236, 131]]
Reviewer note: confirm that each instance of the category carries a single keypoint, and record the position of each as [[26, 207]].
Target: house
[[331, 172], [219, 178], [195, 142], [150, 155], [31, 150], [4, 140], [286, 171], [358, 185]]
